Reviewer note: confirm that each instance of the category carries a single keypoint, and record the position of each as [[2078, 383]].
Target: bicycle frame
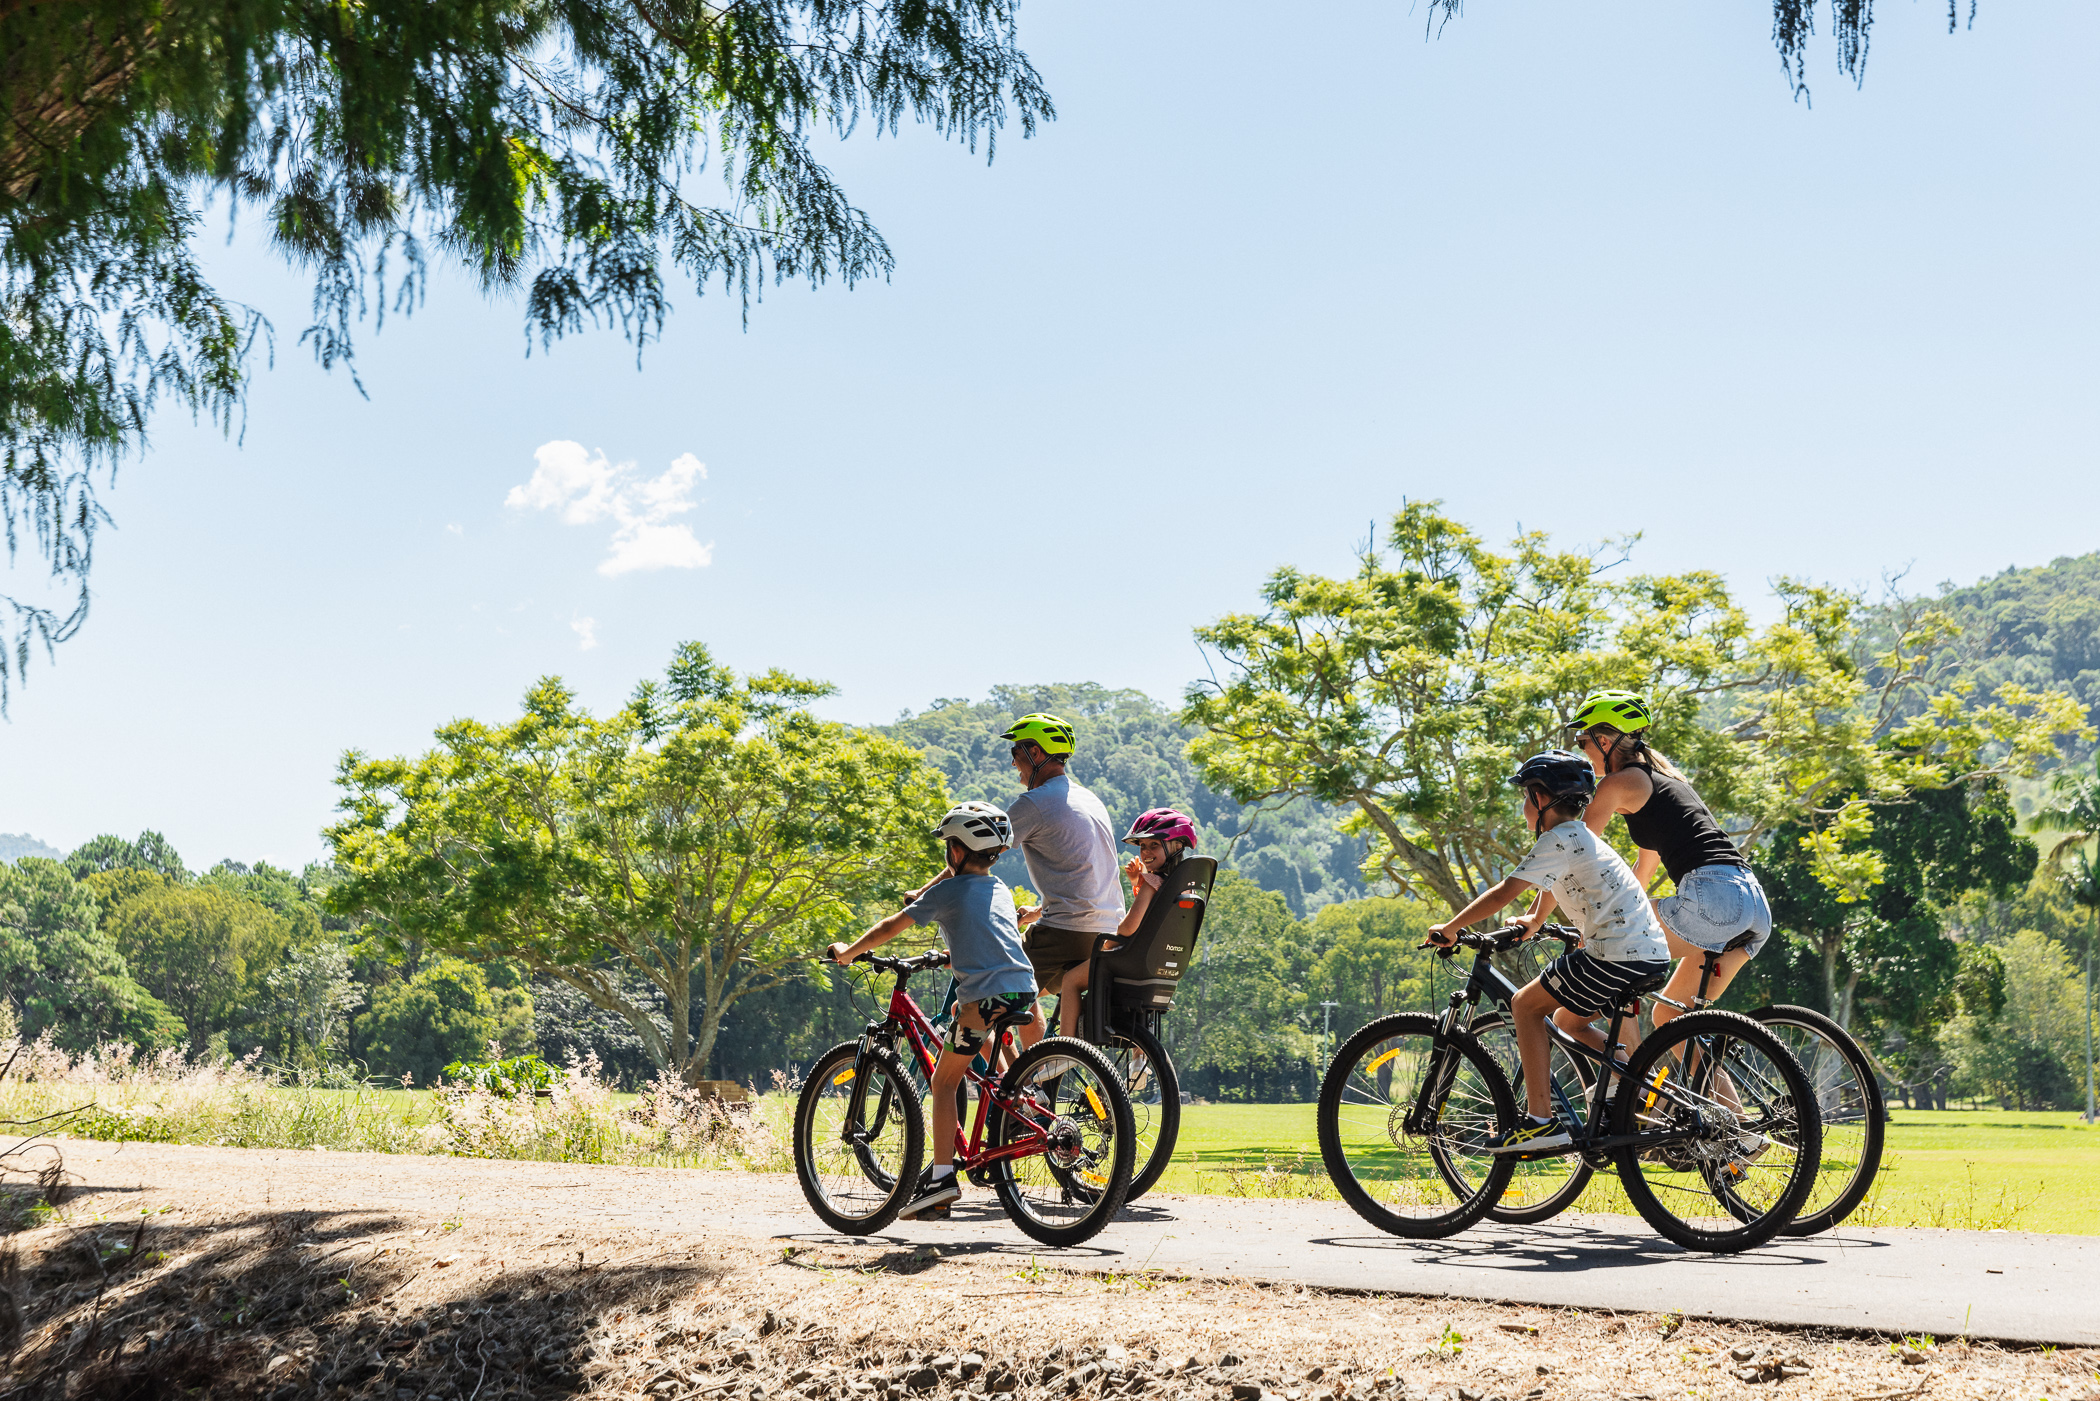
[[1487, 981], [906, 1021]]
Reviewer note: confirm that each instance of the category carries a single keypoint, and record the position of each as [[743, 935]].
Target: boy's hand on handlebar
[[1436, 939], [1029, 914], [837, 953]]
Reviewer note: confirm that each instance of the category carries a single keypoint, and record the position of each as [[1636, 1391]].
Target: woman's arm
[[1628, 790], [1644, 867]]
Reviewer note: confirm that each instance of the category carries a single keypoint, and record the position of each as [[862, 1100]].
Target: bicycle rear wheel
[[857, 1155], [1751, 1133], [1155, 1103], [1066, 1093], [1854, 1120], [1542, 1188], [1403, 1123]]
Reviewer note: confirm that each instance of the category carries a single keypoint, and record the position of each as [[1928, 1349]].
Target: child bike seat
[[1142, 975]]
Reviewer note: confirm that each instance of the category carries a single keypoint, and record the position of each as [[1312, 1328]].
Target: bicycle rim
[[1149, 1080], [1433, 1179], [1753, 1132], [857, 1168], [1849, 1099], [1545, 1187], [1065, 1092]]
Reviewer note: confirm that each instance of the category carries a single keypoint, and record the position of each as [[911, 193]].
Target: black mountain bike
[[1711, 1123], [1847, 1094]]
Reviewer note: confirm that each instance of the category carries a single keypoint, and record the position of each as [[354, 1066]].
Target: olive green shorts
[[1055, 952]]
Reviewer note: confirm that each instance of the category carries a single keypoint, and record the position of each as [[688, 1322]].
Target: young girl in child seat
[[995, 985], [1622, 943], [1160, 835]]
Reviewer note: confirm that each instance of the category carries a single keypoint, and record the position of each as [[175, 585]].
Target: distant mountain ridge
[[16, 845]]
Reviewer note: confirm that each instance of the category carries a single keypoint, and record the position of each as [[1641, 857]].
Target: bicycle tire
[[822, 1167], [1542, 1188], [1061, 1197], [1418, 1174], [1848, 1095], [1757, 1195], [1155, 1103]]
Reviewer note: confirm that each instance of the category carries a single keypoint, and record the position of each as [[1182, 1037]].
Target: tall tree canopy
[[1410, 689], [700, 840], [549, 145]]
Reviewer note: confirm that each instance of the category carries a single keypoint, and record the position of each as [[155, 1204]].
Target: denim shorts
[[1714, 904]]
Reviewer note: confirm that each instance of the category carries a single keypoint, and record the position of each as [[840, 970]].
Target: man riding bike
[[1070, 847]]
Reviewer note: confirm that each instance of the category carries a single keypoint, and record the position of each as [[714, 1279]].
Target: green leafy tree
[[1409, 691], [151, 852], [60, 972], [446, 1012], [206, 954], [1366, 955], [310, 998], [1888, 950], [705, 837], [2024, 1054], [1239, 1011], [549, 148]]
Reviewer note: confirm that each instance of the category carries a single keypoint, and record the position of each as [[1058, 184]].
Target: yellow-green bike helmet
[[1624, 711], [1047, 732]]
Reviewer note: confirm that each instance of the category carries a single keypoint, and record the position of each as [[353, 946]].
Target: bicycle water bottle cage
[[1142, 975]]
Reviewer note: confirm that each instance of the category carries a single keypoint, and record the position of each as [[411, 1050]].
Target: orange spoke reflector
[[1095, 1100], [843, 1076]]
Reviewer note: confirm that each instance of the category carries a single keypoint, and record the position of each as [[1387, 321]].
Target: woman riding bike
[[1718, 898]]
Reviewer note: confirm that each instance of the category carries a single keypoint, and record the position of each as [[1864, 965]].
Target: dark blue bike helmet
[[1563, 776]]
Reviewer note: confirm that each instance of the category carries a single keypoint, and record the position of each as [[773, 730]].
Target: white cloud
[[587, 629], [586, 488], [454, 530]]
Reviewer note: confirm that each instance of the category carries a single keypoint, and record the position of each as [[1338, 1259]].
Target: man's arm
[[1484, 904]]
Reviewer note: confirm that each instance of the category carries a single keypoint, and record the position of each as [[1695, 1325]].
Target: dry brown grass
[[190, 1299]]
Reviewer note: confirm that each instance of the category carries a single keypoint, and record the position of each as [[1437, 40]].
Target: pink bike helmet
[[1164, 824]]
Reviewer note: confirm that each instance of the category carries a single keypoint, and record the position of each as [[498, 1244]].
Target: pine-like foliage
[[553, 146]]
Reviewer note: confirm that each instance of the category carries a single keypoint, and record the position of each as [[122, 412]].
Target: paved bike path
[[2009, 1285]]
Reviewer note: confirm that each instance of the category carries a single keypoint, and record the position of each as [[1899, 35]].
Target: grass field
[[1970, 1170]]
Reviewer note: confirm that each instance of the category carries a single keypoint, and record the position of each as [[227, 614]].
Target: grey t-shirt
[[976, 917], [1596, 887], [1065, 837]]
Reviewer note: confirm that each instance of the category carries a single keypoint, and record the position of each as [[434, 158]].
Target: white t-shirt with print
[[1596, 887]]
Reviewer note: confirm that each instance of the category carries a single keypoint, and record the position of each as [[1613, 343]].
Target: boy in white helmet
[[995, 984]]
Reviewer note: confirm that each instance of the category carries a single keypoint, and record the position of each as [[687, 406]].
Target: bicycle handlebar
[[1507, 937], [937, 958]]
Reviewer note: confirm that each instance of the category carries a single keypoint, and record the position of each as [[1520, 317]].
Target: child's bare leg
[[1068, 1000], [947, 1074], [1583, 1029], [1531, 1006]]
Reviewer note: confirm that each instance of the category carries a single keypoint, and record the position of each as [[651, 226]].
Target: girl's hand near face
[[1140, 877]]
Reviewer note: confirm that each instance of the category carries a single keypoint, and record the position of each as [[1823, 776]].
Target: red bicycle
[[1053, 1135]]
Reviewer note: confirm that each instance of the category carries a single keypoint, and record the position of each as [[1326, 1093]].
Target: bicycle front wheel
[[1542, 1188], [1849, 1098], [1155, 1103], [1064, 1095], [859, 1137], [1404, 1123], [1743, 1132]]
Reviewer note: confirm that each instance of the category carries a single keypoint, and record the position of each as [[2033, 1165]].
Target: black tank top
[[1676, 826]]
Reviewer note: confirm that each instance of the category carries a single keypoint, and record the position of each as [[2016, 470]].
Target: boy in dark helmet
[[1622, 943]]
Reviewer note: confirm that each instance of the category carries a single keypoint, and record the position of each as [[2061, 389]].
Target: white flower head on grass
[[586, 488]]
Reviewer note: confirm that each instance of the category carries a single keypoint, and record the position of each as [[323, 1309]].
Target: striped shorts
[[1586, 985]]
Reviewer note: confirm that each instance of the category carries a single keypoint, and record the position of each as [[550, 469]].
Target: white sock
[[941, 1170]]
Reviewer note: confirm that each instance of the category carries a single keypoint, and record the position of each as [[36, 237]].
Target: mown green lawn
[[1970, 1169]]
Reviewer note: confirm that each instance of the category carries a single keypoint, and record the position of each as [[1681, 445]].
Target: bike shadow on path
[[1566, 1249]]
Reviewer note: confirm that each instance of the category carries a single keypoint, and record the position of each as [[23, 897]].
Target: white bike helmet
[[978, 826]]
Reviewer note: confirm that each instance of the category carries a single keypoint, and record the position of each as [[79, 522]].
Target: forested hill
[[2038, 626], [1133, 756]]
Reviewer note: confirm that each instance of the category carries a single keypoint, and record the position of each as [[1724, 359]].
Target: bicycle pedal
[[981, 1177]]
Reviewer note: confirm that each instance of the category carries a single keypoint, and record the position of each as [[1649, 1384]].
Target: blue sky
[[1582, 270]]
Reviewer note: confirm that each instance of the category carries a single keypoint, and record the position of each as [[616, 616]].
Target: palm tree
[[2077, 815], [2084, 888]]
